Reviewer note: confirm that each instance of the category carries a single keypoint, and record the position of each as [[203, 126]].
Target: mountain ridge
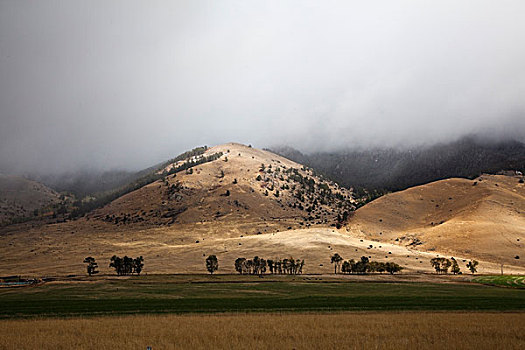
[[394, 169]]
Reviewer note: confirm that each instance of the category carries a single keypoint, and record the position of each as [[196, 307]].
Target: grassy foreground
[[212, 294], [413, 330]]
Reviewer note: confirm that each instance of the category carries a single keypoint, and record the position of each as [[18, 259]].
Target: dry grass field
[[60, 249], [420, 330]]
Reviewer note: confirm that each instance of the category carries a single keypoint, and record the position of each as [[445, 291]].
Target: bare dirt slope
[[482, 218], [19, 197]]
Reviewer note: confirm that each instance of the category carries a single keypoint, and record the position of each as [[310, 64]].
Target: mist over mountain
[[85, 182], [396, 169], [122, 85]]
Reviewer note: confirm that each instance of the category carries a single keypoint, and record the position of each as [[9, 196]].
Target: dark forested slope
[[394, 169]]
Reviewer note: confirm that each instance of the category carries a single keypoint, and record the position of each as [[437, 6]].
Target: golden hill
[[244, 185], [482, 218]]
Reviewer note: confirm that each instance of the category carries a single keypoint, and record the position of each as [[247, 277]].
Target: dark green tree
[[392, 267], [240, 265], [336, 260], [455, 267], [117, 264], [363, 265], [472, 266], [138, 265], [212, 264], [441, 265], [91, 265]]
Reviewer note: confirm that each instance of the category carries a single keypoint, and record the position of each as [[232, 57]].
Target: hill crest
[[234, 182]]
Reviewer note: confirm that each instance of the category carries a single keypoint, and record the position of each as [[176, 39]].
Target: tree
[[392, 267], [117, 264], [212, 264], [472, 266], [345, 268], [240, 265], [362, 266], [455, 267], [270, 265], [336, 260], [441, 265], [138, 265], [92, 265], [127, 263]]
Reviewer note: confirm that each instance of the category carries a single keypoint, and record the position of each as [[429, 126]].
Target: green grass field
[[211, 294], [502, 280]]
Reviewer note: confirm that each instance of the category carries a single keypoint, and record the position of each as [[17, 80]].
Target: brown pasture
[[271, 331]]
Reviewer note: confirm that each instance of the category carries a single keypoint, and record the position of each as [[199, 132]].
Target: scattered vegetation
[[322, 201]]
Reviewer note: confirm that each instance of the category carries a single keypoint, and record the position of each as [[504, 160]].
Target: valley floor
[[58, 250], [376, 330]]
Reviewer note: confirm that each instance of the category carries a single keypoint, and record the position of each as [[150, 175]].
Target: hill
[[236, 201], [397, 169], [232, 183], [21, 198], [482, 218]]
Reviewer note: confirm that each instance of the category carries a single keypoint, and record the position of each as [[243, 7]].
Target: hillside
[[231, 183], [482, 218], [398, 169], [20, 198], [223, 201]]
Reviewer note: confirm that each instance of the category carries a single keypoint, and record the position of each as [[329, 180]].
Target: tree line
[[191, 163], [363, 266], [441, 265], [259, 266], [291, 266], [122, 266]]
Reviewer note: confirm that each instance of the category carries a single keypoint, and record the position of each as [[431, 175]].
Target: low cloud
[[122, 84]]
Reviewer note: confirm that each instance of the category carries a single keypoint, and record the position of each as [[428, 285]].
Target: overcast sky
[[126, 84]]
